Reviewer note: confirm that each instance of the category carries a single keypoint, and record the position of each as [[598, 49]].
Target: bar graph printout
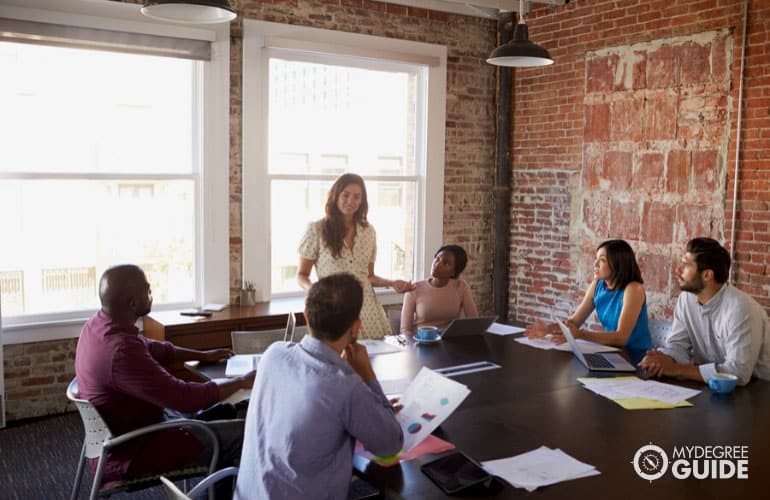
[[428, 401]]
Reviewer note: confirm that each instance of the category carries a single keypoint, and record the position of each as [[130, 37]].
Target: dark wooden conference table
[[534, 399]]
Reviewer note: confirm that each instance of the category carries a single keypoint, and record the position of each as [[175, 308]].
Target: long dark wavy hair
[[623, 266], [333, 227]]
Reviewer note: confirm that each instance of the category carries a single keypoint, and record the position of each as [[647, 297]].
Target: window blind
[[14, 30]]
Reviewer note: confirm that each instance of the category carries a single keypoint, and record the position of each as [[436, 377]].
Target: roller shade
[[14, 30]]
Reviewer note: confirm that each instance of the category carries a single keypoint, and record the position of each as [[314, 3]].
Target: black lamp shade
[[520, 52], [190, 11]]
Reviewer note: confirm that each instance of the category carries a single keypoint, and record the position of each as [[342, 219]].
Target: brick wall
[[631, 134], [36, 377]]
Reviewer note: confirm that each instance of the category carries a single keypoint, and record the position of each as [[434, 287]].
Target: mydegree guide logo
[[651, 462]]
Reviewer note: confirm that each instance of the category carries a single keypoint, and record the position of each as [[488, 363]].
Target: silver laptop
[[468, 326], [607, 362]]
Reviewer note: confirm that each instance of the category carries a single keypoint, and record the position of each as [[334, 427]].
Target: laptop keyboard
[[598, 361]]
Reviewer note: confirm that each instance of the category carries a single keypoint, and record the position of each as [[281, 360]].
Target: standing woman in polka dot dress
[[344, 241]]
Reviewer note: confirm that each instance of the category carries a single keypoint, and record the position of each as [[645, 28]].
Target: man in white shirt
[[716, 327]]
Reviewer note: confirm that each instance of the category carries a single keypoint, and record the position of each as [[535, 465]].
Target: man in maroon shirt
[[122, 374]]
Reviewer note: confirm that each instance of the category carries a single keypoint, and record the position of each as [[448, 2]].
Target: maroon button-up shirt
[[121, 373]]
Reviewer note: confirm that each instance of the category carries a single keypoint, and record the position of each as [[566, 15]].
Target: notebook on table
[[606, 362], [468, 326]]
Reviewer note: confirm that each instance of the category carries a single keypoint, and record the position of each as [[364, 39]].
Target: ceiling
[[478, 8]]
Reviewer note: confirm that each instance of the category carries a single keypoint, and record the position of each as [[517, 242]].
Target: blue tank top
[[608, 304]]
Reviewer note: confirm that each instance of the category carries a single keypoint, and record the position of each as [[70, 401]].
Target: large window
[[95, 171], [103, 154], [323, 110], [324, 119]]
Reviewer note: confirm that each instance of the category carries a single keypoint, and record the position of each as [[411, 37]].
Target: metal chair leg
[[79, 473]]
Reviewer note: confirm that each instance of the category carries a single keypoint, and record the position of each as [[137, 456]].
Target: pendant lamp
[[520, 52], [189, 11]]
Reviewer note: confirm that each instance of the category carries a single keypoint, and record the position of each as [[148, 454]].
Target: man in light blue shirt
[[716, 327], [311, 401]]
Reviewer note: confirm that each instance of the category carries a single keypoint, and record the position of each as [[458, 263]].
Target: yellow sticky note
[[649, 404]]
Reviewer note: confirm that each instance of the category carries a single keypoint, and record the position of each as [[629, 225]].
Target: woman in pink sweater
[[442, 297]]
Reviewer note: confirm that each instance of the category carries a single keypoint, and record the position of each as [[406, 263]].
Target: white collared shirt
[[730, 334]]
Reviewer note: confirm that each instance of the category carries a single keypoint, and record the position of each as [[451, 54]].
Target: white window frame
[[258, 38], [212, 279]]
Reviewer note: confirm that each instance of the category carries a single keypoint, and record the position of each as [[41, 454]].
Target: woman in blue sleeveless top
[[617, 295]]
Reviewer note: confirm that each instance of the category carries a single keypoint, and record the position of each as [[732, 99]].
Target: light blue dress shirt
[[730, 333], [307, 409]]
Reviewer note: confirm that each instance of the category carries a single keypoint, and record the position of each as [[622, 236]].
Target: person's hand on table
[[539, 329], [576, 332], [402, 286], [396, 406], [215, 355], [657, 364]]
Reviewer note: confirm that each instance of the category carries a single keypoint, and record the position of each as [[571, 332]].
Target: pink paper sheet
[[430, 444]]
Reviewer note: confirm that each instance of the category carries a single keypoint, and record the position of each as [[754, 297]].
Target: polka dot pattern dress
[[374, 322]]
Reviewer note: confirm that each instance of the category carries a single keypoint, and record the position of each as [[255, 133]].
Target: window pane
[[59, 236], [72, 110], [330, 119], [288, 224], [391, 211]]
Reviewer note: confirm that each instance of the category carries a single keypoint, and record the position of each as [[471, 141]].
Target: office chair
[[256, 341], [659, 330], [174, 493], [99, 440], [291, 322]]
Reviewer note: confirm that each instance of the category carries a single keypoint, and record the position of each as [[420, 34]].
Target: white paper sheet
[[623, 388], [394, 386], [241, 364], [501, 329], [428, 401], [539, 467], [375, 347], [586, 347]]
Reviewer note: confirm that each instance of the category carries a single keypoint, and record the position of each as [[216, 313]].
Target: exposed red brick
[[593, 167], [705, 170], [658, 223], [660, 118], [597, 128], [650, 174], [656, 271], [625, 119], [624, 219], [600, 73], [661, 68], [694, 63], [618, 166], [640, 70], [678, 171]]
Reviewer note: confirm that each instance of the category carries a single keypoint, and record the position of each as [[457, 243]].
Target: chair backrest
[[255, 342], [299, 332], [658, 332], [394, 318], [290, 323], [96, 430]]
